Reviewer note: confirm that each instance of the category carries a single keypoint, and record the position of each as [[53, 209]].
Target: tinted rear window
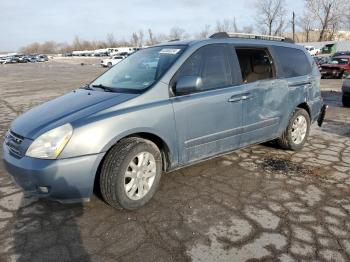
[[293, 62]]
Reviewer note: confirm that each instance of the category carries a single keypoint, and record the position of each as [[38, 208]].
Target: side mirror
[[188, 84]]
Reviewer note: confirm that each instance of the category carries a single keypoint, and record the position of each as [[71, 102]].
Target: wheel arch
[[306, 107], [160, 142]]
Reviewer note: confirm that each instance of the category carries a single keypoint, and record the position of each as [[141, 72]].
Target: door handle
[[246, 97], [237, 98]]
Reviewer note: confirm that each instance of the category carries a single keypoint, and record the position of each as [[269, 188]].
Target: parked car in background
[[320, 60], [4, 60], [338, 67], [101, 54], [12, 60], [9, 60], [346, 92], [125, 54], [341, 53], [23, 59], [202, 99], [32, 58], [312, 50], [42, 58], [109, 62]]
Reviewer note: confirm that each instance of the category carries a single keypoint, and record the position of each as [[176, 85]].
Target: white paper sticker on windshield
[[169, 51]]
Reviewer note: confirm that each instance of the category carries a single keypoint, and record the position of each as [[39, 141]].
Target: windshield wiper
[[105, 88], [87, 87]]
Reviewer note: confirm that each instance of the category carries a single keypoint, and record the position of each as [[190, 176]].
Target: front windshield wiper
[[105, 88], [87, 87]]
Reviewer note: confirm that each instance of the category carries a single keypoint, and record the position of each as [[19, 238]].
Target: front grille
[[15, 137], [14, 143], [14, 150]]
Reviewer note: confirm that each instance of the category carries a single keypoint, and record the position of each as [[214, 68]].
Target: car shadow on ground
[[48, 231], [336, 127], [332, 98]]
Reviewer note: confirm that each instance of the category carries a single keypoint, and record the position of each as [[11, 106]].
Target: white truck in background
[[109, 62], [312, 50], [122, 50]]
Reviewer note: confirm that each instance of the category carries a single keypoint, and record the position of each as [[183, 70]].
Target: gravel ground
[[259, 203]]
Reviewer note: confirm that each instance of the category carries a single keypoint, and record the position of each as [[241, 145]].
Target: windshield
[[140, 70], [340, 61]]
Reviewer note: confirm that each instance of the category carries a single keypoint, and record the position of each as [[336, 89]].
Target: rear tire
[[346, 101], [124, 180], [297, 132], [109, 64]]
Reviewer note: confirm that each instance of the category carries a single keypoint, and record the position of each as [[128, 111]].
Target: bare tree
[[225, 25], [161, 37], [177, 33], [140, 36], [134, 39], [248, 29], [235, 27], [111, 40], [204, 33], [306, 23], [150, 37], [77, 43], [329, 15], [245, 29], [271, 16], [155, 38], [49, 47], [33, 48]]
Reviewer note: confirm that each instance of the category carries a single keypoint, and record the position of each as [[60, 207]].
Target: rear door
[[264, 106], [208, 122], [295, 69]]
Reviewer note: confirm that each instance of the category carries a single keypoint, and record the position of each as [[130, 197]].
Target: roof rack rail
[[174, 40], [250, 36]]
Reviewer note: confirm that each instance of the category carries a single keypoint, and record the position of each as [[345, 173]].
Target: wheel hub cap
[[139, 175], [299, 129]]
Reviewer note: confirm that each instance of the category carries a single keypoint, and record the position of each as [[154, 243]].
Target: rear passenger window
[[211, 64], [255, 64], [293, 62]]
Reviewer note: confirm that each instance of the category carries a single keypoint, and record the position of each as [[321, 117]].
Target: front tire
[[295, 136], [130, 173]]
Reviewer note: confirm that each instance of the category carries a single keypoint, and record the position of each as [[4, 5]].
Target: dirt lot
[[260, 203]]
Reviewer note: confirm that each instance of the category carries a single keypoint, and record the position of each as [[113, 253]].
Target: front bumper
[[66, 180]]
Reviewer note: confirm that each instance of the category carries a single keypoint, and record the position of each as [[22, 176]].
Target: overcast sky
[[26, 21]]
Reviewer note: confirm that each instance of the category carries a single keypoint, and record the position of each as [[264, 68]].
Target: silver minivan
[[163, 108]]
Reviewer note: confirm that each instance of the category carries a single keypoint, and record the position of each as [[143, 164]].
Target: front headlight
[[50, 144]]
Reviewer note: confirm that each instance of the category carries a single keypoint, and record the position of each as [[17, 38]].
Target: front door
[[208, 122]]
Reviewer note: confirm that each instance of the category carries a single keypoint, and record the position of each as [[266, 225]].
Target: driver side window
[[211, 64]]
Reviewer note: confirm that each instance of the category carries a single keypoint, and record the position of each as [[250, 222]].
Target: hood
[[65, 109]]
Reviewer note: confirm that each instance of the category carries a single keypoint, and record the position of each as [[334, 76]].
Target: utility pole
[[293, 26]]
